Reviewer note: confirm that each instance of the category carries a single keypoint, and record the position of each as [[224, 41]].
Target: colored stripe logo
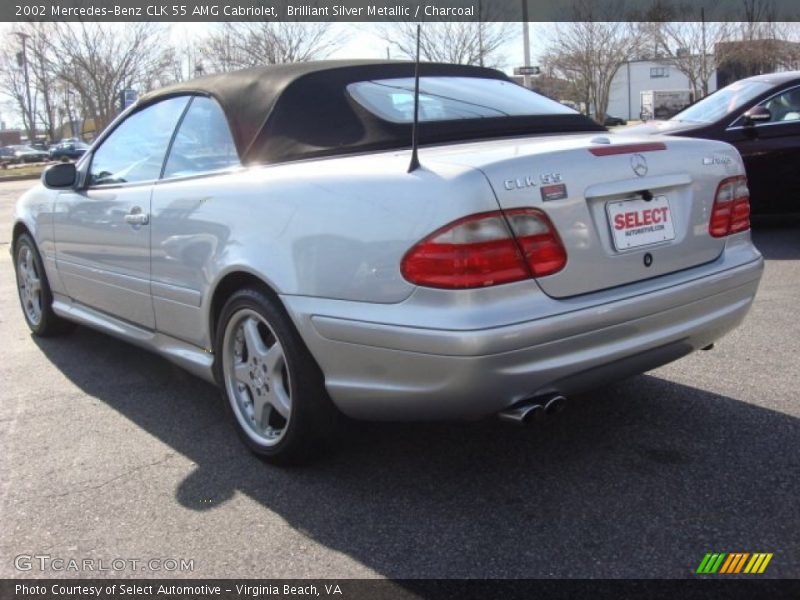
[[734, 562]]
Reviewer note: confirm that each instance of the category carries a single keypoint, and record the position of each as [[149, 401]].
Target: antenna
[[414, 165]]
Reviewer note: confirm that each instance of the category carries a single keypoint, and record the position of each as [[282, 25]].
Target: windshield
[[451, 98], [722, 102]]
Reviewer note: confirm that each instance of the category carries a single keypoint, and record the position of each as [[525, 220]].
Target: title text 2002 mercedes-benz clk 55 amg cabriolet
[[263, 230]]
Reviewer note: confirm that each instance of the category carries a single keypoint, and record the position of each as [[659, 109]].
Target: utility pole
[[704, 68], [31, 119], [480, 33], [526, 43], [68, 105]]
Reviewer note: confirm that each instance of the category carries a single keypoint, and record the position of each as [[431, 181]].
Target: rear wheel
[[272, 386], [34, 290]]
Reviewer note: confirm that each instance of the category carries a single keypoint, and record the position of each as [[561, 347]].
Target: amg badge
[[554, 192]]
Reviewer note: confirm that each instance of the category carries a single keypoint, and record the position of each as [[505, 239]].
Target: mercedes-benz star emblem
[[639, 165]]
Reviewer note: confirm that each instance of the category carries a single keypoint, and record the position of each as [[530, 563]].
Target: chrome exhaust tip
[[522, 415], [534, 409], [555, 405]]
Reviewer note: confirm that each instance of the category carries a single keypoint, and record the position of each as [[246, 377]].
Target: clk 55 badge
[[519, 183]]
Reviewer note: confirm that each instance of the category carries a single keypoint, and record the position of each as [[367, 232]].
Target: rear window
[[451, 99]]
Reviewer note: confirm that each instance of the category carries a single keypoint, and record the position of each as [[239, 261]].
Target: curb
[[19, 177]]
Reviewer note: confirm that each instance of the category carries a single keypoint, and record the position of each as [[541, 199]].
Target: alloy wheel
[[257, 377], [30, 285]]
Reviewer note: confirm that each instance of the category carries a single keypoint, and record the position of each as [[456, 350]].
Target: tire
[[35, 296], [272, 386]]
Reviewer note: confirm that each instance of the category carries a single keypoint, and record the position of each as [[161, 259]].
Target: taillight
[[481, 250], [731, 210], [544, 253]]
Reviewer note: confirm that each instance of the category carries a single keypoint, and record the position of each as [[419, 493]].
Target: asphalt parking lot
[[107, 452]]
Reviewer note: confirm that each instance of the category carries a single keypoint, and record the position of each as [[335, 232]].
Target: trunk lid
[[592, 187]]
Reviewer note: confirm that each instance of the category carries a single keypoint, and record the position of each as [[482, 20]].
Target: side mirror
[[60, 176], [757, 114]]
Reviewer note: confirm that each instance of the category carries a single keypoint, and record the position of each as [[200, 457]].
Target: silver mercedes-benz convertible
[[268, 230]]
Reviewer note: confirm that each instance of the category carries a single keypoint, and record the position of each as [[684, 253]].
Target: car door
[[102, 229], [186, 231], [771, 153]]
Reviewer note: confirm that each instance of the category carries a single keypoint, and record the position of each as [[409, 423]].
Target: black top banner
[[394, 10]]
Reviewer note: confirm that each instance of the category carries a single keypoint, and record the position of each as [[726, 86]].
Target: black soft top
[[303, 110]]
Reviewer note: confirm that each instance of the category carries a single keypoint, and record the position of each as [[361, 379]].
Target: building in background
[[736, 60], [635, 77], [10, 137]]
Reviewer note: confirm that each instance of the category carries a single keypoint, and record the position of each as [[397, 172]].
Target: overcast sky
[[363, 41]]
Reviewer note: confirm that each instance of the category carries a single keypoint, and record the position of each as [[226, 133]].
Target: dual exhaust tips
[[533, 410]]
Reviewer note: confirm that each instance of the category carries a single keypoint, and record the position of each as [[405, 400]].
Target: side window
[[203, 143], [135, 150], [785, 106]]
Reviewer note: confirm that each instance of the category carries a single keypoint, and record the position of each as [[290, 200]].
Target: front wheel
[[272, 386], [35, 296]]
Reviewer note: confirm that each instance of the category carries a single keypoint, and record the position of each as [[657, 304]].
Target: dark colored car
[[611, 121], [28, 154], [68, 150], [7, 155], [760, 116]]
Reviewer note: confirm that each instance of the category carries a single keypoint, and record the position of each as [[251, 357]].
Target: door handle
[[137, 217]]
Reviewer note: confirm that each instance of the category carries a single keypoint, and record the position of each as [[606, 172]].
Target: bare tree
[[468, 43], [186, 61], [12, 82], [98, 61], [248, 44], [558, 89], [741, 43], [52, 100], [690, 47], [758, 41], [589, 51], [43, 76], [758, 20], [763, 43], [220, 50], [23, 74]]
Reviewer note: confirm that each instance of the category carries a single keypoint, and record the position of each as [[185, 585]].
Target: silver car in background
[[263, 230]]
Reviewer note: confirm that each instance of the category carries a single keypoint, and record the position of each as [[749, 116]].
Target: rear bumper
[[379, 366]]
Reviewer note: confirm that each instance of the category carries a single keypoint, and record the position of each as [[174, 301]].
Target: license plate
[[639, 222]]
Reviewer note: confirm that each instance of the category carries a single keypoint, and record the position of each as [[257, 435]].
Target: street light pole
[[31, 121]]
